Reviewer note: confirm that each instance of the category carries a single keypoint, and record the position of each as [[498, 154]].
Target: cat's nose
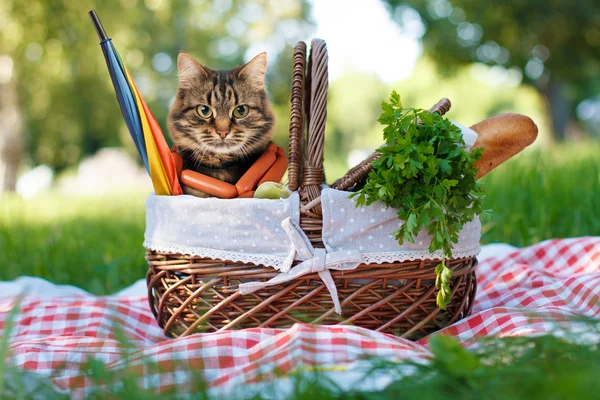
[[223, 133]]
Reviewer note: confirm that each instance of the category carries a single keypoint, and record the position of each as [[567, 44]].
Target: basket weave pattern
[[191, 294]]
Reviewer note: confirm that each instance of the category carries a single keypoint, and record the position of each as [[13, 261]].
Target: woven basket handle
[[297, 117], [308, 105], [316, 116]]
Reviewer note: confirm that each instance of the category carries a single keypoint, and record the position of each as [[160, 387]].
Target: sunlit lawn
[[543, 194], [91, 242], [96, 243]]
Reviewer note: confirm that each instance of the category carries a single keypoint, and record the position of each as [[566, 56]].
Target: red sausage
[[208, 184], [277, 170], [250, 179], [178, 162], [246, 195], [280, 151], [272, 147]]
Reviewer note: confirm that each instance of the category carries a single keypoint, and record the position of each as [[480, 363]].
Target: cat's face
[[223, 114]]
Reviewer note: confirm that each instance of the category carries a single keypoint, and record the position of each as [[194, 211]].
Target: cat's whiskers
[[197, 135], [203, 154], [245, 154], [199, 150]]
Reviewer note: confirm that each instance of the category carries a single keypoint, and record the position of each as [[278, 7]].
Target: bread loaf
[[502, 136]]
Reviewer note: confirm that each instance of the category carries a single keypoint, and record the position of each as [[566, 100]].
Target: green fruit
[[272, 190]]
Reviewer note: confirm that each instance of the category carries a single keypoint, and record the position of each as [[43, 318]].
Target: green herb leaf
[[425, 173]]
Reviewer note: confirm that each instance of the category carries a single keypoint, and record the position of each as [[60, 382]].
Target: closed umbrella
[[145, 131]]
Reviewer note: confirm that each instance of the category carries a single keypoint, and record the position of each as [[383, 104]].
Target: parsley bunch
[[427, 174]]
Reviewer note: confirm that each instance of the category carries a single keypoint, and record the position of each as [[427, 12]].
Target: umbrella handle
[[98, 26]]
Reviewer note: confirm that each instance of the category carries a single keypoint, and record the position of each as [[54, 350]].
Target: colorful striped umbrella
[[145, 131]]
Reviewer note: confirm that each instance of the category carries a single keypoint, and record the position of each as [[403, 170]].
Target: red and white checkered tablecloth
[[522, 292]]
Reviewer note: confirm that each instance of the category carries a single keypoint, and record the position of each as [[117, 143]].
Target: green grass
[[96, 243], [543, 194]]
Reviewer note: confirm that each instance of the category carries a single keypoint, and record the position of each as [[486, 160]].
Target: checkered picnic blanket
[[520, 292]]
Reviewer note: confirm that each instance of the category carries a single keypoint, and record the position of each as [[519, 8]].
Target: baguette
[[502, 136]]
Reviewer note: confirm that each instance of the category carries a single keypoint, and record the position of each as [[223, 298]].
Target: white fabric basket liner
[[251, 231], [368, 230], [239, 230]]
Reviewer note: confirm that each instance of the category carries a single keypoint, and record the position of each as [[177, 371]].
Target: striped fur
[[201, 146]]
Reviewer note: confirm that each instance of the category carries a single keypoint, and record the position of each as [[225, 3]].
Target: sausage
[[281, 151], [178, 161], [277, 170], [246, 195], [250, 179], [272, 147], [208, 184], [502, 136]]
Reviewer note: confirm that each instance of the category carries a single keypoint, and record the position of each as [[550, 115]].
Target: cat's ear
[[255, 70], [189, 70]]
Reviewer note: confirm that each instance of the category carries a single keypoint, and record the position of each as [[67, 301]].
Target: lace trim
[[272, 261], [411, 255], [277, 262]]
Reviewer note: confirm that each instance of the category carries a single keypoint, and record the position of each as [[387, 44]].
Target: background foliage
[[96, 242], [554, 46], [539, 58], [63, 89], [53, 77]]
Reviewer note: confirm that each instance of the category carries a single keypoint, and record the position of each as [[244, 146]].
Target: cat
[[221, 121]]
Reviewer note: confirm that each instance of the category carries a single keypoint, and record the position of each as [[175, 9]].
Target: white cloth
[[253, 230], [244, 230], [357, 235], [495, 250], [38, 287], [314, 261], [368, 231], [469, 135], [32, 285]]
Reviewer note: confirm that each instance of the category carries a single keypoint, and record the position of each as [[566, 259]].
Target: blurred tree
[[60, 79], [553, 44], [355, 104], [10, 136]]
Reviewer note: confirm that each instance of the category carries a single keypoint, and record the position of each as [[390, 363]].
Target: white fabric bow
[[313, 260]]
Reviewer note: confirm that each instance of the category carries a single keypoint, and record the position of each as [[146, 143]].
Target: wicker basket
[[191, 294]]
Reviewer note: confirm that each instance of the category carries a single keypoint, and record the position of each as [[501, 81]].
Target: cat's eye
[[204, 111], [240, 111]]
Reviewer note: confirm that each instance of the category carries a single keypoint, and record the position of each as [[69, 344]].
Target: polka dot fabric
[[246, 230], [368, 229]]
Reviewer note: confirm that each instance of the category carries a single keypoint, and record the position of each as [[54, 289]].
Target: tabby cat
[[221, 121]]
